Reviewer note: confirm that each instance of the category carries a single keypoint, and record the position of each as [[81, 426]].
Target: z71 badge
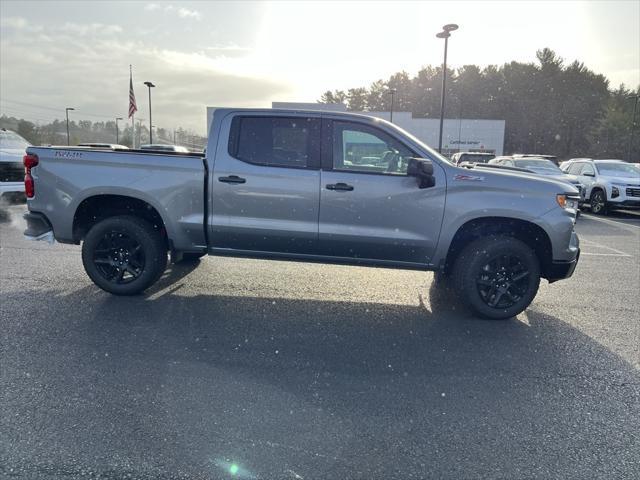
[[461, 177]]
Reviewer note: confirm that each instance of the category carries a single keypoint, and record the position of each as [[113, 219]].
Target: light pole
[[66, 112], [633, 127], [392, 92], [444, 34], [117, 139], [150, 85]]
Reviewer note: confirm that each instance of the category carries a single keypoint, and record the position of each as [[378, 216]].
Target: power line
[[43, 107]]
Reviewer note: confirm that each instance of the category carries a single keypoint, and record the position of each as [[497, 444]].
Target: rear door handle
[[231, 179], [343, 187]]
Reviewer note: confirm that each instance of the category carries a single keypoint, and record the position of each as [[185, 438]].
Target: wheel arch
[[528, 232], [96, 207]]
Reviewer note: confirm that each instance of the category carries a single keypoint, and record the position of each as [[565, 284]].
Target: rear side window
[[276, 141], [586, 168], [574, 169]]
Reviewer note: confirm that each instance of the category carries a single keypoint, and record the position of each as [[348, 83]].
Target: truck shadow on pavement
[[327, 388]]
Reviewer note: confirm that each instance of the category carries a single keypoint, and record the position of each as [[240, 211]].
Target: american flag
[[133, 108]]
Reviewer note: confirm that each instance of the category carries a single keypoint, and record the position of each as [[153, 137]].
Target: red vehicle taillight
[[29, 161]]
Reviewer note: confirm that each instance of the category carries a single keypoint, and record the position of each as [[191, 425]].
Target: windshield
[[10, 141], [617, 169], [544, 167]]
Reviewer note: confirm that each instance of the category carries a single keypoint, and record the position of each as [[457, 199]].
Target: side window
[[574, 169], [586, 168], [360, 148], [275, 141]]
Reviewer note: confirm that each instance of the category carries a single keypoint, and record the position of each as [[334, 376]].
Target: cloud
[[13, 22], [182, 12], [87, 67], [186, 13]]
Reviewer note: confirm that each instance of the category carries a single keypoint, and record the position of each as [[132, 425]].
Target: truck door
[[265, 184], [369, 207]]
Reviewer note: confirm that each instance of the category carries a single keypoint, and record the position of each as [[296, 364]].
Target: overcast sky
[[77, 54]]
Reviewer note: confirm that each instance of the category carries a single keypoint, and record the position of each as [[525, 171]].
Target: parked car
[[466, 158], [608, 183], [111, 146], [158, 147], [12, 149], [542, 166], [553, 158], [272, 186]]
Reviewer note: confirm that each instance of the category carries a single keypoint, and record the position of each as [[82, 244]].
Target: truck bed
[[171, 183]]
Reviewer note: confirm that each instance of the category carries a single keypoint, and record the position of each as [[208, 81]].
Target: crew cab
[[305, 185]]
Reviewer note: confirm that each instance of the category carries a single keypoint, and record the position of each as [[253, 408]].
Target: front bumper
[[561, 270]]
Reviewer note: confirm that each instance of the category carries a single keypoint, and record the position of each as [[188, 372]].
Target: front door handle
[[343, 187], [231, 179]]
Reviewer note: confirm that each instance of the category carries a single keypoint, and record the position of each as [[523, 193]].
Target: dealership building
[[458, 134]]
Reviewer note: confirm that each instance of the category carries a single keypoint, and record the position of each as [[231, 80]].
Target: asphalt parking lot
[[266, 370]]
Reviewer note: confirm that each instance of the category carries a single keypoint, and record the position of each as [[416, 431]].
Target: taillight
[[29, 188], [29, 161]]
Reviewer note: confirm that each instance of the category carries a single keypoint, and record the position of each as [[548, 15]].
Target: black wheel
[[124, 255], [598, 202], [497, 277]]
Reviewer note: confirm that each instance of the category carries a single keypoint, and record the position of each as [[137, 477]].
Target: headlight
[[615, 192], [568, 202]]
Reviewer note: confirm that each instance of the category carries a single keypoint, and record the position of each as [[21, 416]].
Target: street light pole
[[444, 34], [117, 133], [392, 92], [66, 112], [150, 85], [633, 127]]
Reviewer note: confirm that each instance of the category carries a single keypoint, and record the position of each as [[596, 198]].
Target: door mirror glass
[[422, 169]]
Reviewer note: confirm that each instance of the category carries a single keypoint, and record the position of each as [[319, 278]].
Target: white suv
[[12, 147], [608, 183]]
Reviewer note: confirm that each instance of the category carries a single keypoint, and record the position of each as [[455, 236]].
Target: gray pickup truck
[[311, 186]]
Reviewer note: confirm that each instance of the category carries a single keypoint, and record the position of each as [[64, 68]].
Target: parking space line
[[605, 254], [611, 249], [610, 222]]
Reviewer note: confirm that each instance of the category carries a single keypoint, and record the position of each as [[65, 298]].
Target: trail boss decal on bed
[[67, 154]]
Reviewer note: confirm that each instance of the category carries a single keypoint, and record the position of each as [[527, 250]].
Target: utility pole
[[66, 112], [633, 127], [117, 133], [392, 92]]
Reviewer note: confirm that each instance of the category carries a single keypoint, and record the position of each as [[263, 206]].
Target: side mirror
[[589, 174], [422, 169]]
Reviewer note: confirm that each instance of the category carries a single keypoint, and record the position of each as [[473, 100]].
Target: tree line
[[55, 133], [548, 106]]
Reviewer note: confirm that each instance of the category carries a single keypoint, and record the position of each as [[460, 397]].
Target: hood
[[11, 154], [521, 180], [565, 178], [624, 180]]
